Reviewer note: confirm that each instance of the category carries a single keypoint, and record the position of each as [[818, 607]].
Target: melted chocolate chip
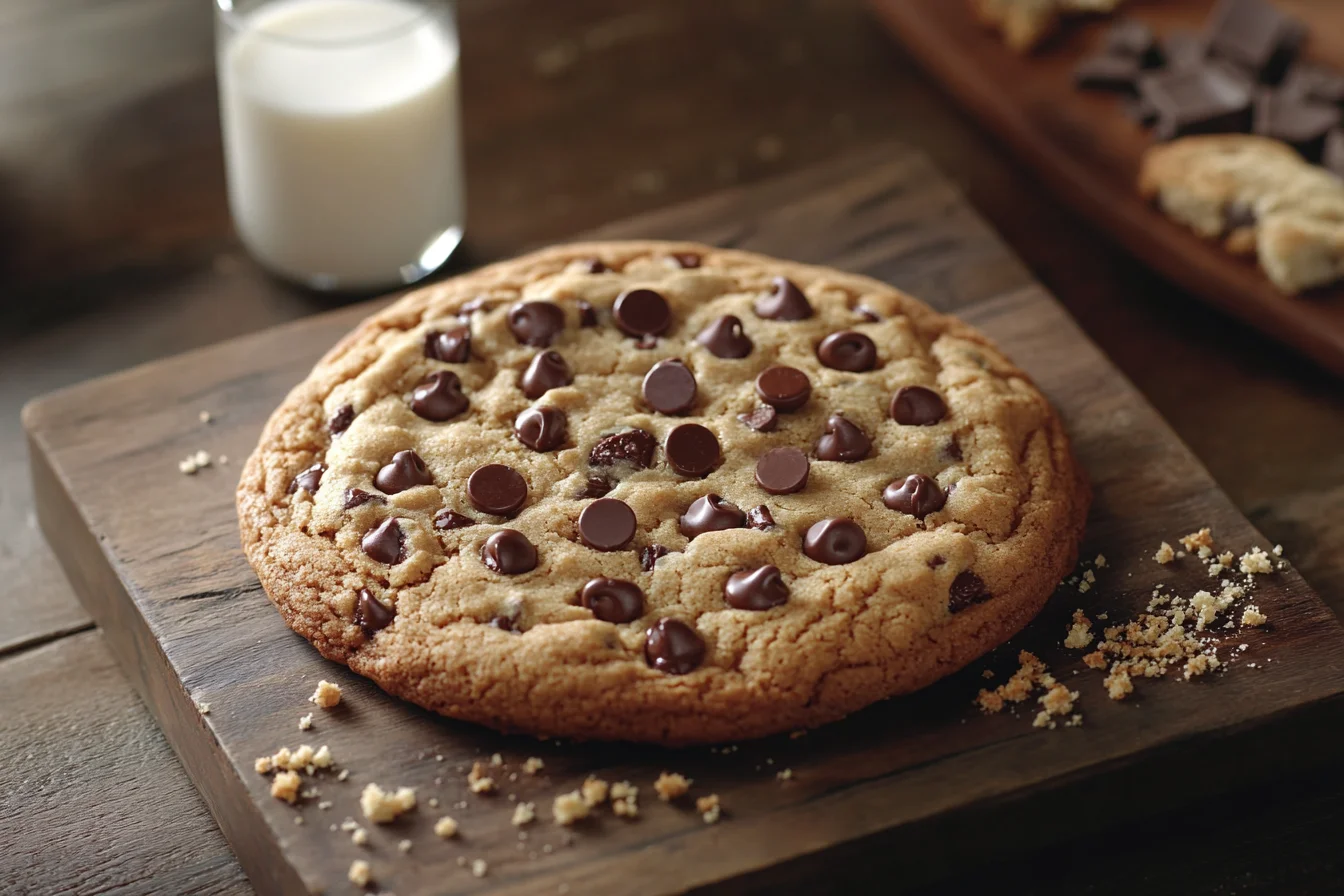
[[936, 561], [613, 600], [371, 614], [761, 419], [760, 518], [439, 397], [541, 429], [633, 447], [967, 589], [509, 552], [755, 589], [595, 487], [354, 497], [587, 314], [843, 441], [952, 449], [917, 406], [503, 623], [686, 259], [724, 338], [595, 266], [480, 303], [692, 450], [386, 542], [453, 346], [782, 471], [867, 314], [785, 301], [308, 479], [783, 388], [673, 647], [848, 350], [710, 514], [648, 556], [341, 420], [447, 520], [607, 524], [547, 371], [835, 541], [641, 312], [405, 471], [497, 489], [536, 323], [669, 387], [916, 494]]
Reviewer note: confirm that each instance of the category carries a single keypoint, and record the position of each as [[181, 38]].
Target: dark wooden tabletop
[[115, 248]]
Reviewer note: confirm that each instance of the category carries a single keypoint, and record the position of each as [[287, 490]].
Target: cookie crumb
[[193, 463], [1197, 541], [709, 808], [1164, 554], [1100, 562], [381, 807], [327, 694], [285, 786], [1118, 685], [445, 827], [360, 874], [794, 735], [305, 722], [205, 417], [1277, 551], [1253, 617], [1095, 660], [359, 837], [263, 765], [784, 775], [479, 868], [1200, 664], [569, 808], [1080, 632], [203, 708], [523, 813], [594, 791], [496, 760], [479, 780], [1256, 562], [532, 765], [404, 846], [322, 759], [345, 773], [671, 785]]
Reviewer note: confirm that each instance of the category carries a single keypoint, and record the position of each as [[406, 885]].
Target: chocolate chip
[[835, 541], [607, 524], [453, 346], [710, 514], [405, 471], [784, 388], [503, 623], [782, 471], [385, 542], [755, 589], [439, 397], [1314, 82], [536, 323], [686, 259], [613, 600], [541, 429], [1184, 48], [480, 303], [1237, 215], [917, 406], [648, 556], [634, 447], [371, 614], [916, 494], [447, 520], [1132, 38], [509, 552], [595, 266], [967, 589], [724, 338], [760, 518], [761, 419], [595, 487], [1203, 99], [1256, 36], [547, 371], [785, 301], [673, 647], [1108, 71], [587, 314], [848, 350], [868, 314], [936, 561], [692, 450], [669, 387], [952, 449], [355, 497], [1300, 123], [341, 420], [843, 441], [641, 312], [497, 489], [308, 479]]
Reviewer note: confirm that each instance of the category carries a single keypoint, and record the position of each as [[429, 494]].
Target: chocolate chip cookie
[[660, 492]]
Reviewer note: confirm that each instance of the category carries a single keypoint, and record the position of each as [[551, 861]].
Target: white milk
[[342, 140]]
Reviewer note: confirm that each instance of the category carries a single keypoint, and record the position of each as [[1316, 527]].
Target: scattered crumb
[[324, 805], [569, 808], [285, 786], [349, 825], [1197, 541], [345, 773], [523, 813], [1095, 660], [479, 868], [1256, 562], [671, 785], [625, 799], [784, 775], [322, 759], [496, 760], [709, 808], [1164, 554], [203, 708], [445, 827], [381, 807], [263, 765], [1278, 550], [1080, 632], [1118, 685], [802, 732], [404, 846], [479, 780], [987, 674], [327, 694], [594, 791], [1252, 616], [532, 765], [306, 722], [193, 463], [360, 874], [298, 819], [1199, 664], [1100, 562], [205, 417], [433, 802], [1058, 700], [359, 837]]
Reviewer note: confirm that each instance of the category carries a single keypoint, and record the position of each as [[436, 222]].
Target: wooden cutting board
[[1083, 147], [897, 794]]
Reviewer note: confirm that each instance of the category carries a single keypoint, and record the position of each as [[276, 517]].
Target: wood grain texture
[[1084, 147], [188, 621]]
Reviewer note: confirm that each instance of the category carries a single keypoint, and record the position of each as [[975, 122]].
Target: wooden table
[[115, 248]]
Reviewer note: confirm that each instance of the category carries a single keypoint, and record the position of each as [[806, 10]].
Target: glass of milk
[[342, 137]]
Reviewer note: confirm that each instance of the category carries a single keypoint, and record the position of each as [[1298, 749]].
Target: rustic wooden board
[[883, 799], [1085, 148]]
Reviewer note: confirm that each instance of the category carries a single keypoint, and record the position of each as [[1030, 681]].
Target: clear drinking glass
[[342, 137]]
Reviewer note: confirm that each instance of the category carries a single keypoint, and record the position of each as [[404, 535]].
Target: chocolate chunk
[[355, 497], [447, 520], [341, 420], [1184, 49], [692, 450], [453, 346], [1140, 110], [595, 266], [760, 518], [843, 441], [1204, 99], [710, 514], [503, 623], [952, 450], [916, 494], [509, 552], [541, 429], [607, 524], [439, 397], [724, 338], [595, 487], [385, 542], [587, 314], [867, 314], [782, 471], [686, 259], [1237, 215], [536, 323], [1132, 38], [648, 556], [641, 312], [547, 371], [371, 614], [1333, 155], [480, 303], [613, 600], [673, 647], [785, 301], [405, 471], [1300, 123], [308, 479], [936, 561], [1256, 36], [497, 489], [634, 446], [669, 387], [755, 589], [848, 350], [917, 406], [761, 419], [1314, 83], [783, 388], [835, 541], [1108, 71], [967, 589]]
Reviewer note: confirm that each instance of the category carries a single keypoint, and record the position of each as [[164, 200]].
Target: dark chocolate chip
[[673, 647], [835, 541], [1184, 48], [917, 406], [536, 323], [607, 524], [453, 345], [641, 312], [936, 561], [843, 441], [848, 350], [496, 488], [761, 419], [1300, 123], [480, 303], [760, 518], [308, 479], [541, 429], [755, 589], [548, 370], [341, 420], [595, 266], [613, 600], [1141, 111], [724, 338], [355, 497], [371, 614], [916, 494], [1315, 83], [686, 259], [1108, 71], [439, 397], [1130, 37], [710, 514], [405, 471], [385, 542], [648, 556], [504, 624], [1204, 99], [692, 450], [595, 487], [782, 471], [785, 301], [634, 447], [868, 314], [447, 520], [587, 314], [669, 387], [1256, 36], [967, 589], [1237, 214], [783, 388], [509, 552], [952, 449]]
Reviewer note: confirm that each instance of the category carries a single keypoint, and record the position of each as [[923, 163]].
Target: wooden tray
[[882, 800], [1084, 147]]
